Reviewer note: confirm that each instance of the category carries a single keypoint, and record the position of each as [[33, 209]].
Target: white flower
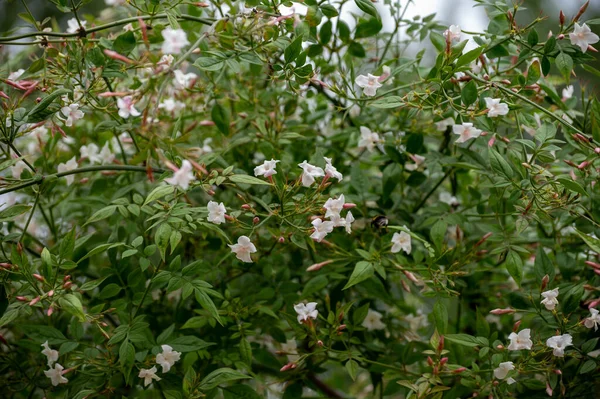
[[243, 249], [216, 212], [373, 321], [503, 368], [321, 229], [184, 80], [550, 300], [73, 25], [305, 312], [127, 107], [443, 124], [175, 40], [466, 131], [593, 321], [148, 375], [106, 156], [520, 341], [334, 206], [495, 107], [331, 171], [115, 2], [368, 139], [385, 73], [348, 222], [167, 358], [291, 349], [71, 164], [448, 198], [72, 113], [14, 76], [452, 34], [309, 173], [170, 105], [559, 343], [183, 176], [369, 83], [17, 169], [90, 152], [267, 169], [510, 381], [55, 375], [51, 354], [401, 241], [418, 159], [567, 92], [583, 36], [128, 27]]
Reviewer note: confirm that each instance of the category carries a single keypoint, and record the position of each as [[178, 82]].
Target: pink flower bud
[[429, 361], [256, 220], [246, 207], [67, 285], [6, 265], [548, 389], [281, 239], [557, 372], [288, 367], [50, 311], [38, 277], [34, 301], [500, 347], [411, 276], [50, 293], [516, 326], [502, 311], [210, 192], [491, 141], [435, 370], [207, 123], [583, 165], [66, 278], [459, 370], [116, 56], [443, 361], [561, 18], [320, 343], [229, 217], [560, 37], [349, 205], [22, 299], [441, 344], [318, 266], [545, 281]]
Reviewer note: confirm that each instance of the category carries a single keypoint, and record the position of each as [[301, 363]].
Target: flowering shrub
[[266, 199]]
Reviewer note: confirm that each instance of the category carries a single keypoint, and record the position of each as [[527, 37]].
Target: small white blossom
[[216, 212], [115, 2], [583, 36], [128, 27], [73, 25], [167, 358], [448, 198], [368, 139], [309, 173], [331, 171], [510, 381], [567, 92], [127, 107], [550, 300], [519, 341], [72, 113], [348, 222], [373, 321], [321, 229], [559, 343], [183, 176], [503, 369], [369, 83], [243, 249], [106, 156], [495, 107], [418, 159], [14, 76], [51, 354], [333, 207], [267, 169], [17, 169], [171, 105], [305, 312], [71, 164], [594, 320], [90, 152], [443, 124], [466, 131], [452, 34], [175, 40], [401, 241], [291, 349], [55, 375], [184, 80], [148, 375]]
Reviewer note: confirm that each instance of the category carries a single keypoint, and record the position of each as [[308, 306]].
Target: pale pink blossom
[[243, 249]]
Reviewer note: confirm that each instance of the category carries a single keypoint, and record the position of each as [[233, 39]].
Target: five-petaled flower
[[309, 173], [466, 131], [495, 107], [582, 36], [331, 171], [594, 320], [267, 169], [148, 375], [127, 107], [369, 83], [56, 375], [401, 241], [175, 40], [71, 114], [550, 300], [519, 341], [183, 176], [373, 321], [558, 343], [567, 92], [306, 312], [51, 354], [368, 139], [71, 164], [503, 369], [216, 212], [321, 229], [167, 358], [243, 249], [333, 207]]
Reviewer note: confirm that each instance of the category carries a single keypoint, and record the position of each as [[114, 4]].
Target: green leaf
[[71, 304], [207, 303], [564, 63], [543, 265], [189, 344], [219, 377], [209, 63], [438, 41], [440, 316], [158, 192], [514, 265], [465, 340], [592, 242], [352, 368], [367, 7], [499, 164], [292, 51], [239, 392], [67, 245], [532, 37], [438, 232], [124, 43], [588, 366], [161, 238], [246, 351], [573, 186], [387, 102], [12, 212], [126, 358], [100, 248], [39, 112], [367, 28], [534, 72], [102, 214], [469, 93], [468, 57], [246, 179], [220, 117], [362, 271]]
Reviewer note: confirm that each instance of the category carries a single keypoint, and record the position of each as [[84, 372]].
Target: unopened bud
[[256, 220], [545, 281], [429, 361], [84, 180], [22, 299], [500, 347], [502, 311], [349, 205], [592, 48], [67, 278], [229, 217], [496, 383], [459, 370], [281, 239], [435, 370], [411, 276], [548, 389], [592, 264], [516, 326], [491, 141], [579, 14], [210, 192], [318, 266], [287, 367], [483, 239], [246, 207], [34, 301], [38, 277], [50, 311], [405, 285], [597, 150], [526, 165], [50, 293], [320, 343], [561, 18], [67, 285], [443, 361], [5, 265], [583, 165], [341, 327], [558, 372], [441, 344], [560, 37]]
